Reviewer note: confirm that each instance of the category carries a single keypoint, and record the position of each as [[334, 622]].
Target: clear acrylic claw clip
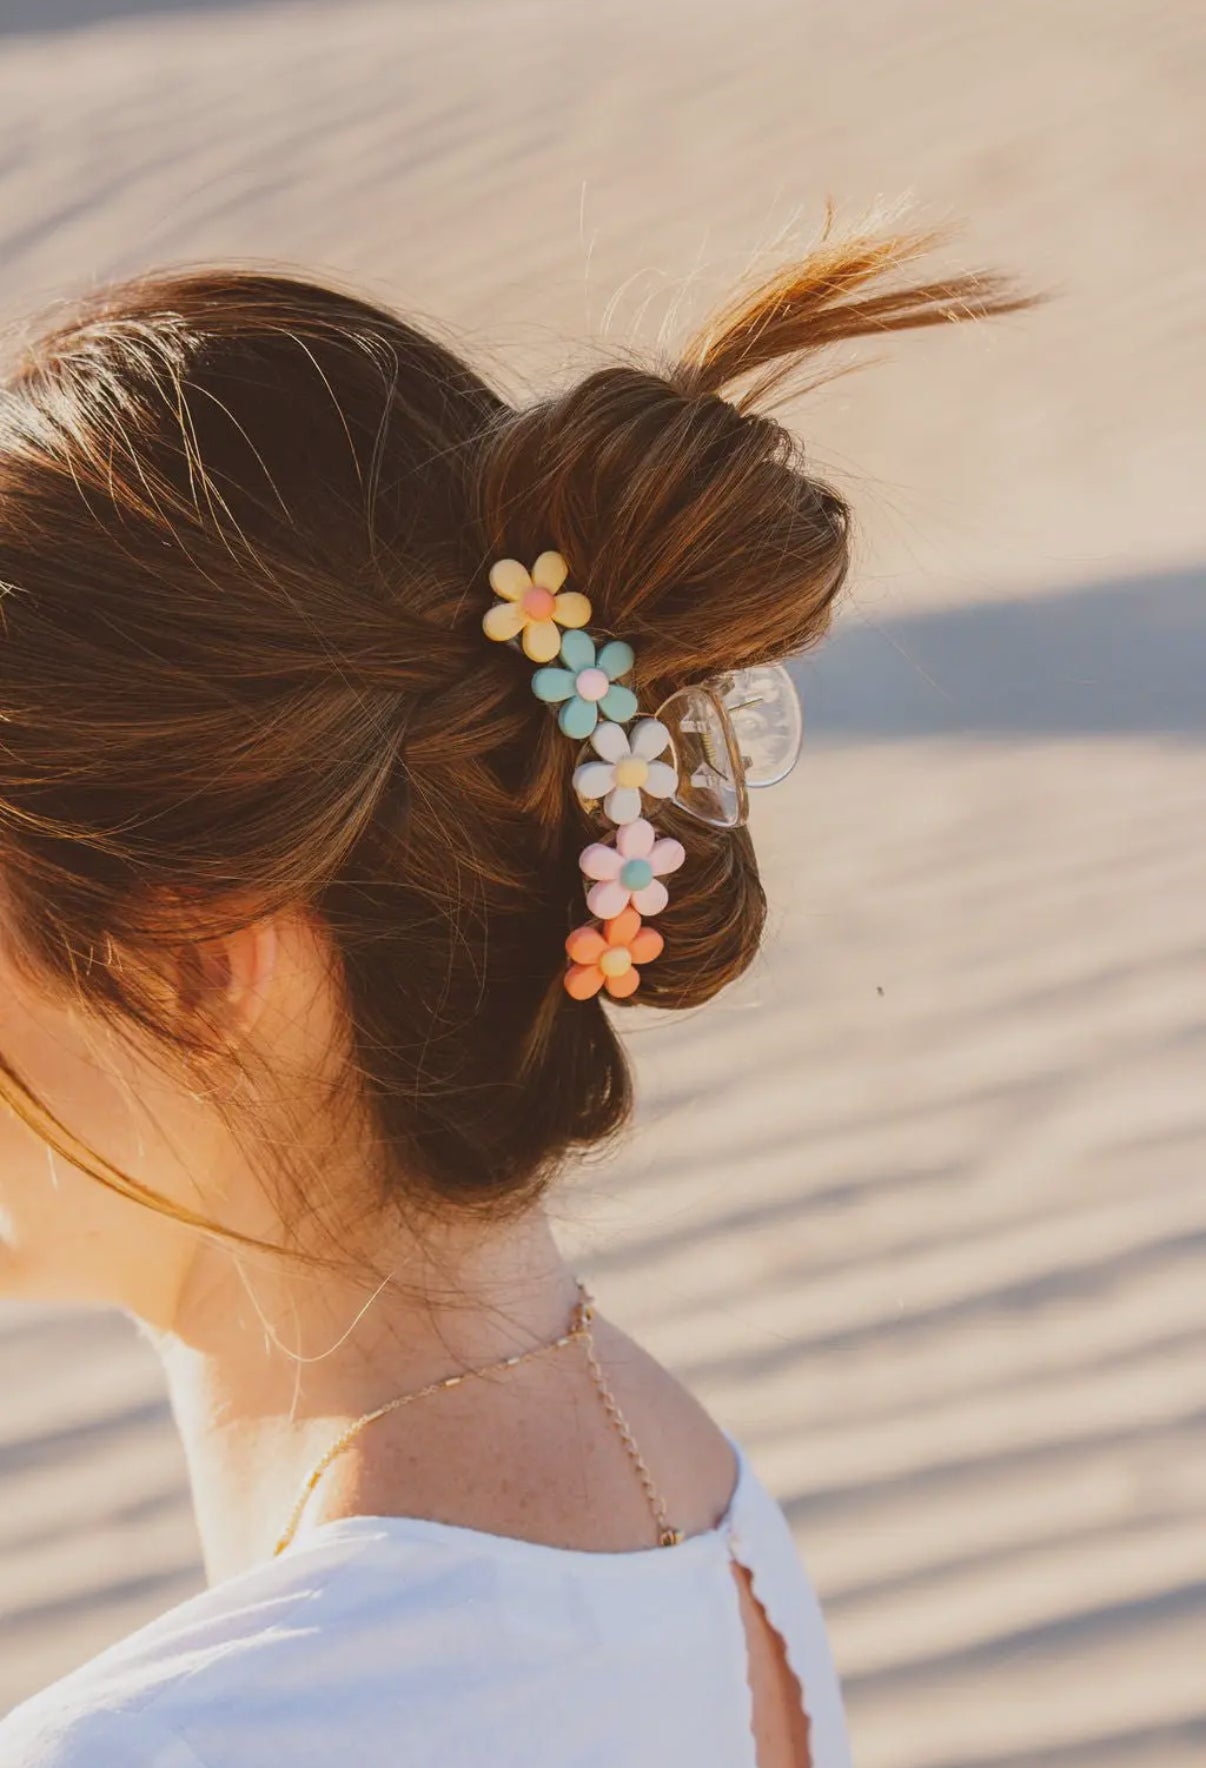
[[737, 733]]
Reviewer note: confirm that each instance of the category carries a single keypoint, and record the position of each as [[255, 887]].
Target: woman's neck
[[267, 1364]]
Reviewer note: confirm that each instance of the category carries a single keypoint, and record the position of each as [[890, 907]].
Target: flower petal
[[607, 899], [585, 945], [541, 640], [621, 986], [667, 856], [550, 571], [509, 579], [616, 659], [583, 980], [594, 778], [651, 900], [600, 861], [649, 738], [661, 780], [578, 718], [610, 742], [571, 609], [619, 704], [503, 621], [623, 805], [635, 840], [578, 651], [553, 685], [645, 945], [622, 929]]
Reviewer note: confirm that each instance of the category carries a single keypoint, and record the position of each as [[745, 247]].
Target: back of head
[[246, 529]]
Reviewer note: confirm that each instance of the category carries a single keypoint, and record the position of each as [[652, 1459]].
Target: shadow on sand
[[1125, 657], [34, 17]]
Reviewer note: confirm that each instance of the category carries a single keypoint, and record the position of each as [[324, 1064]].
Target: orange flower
[[608, 959]]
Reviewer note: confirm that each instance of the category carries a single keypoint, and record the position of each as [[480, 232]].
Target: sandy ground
[[919, 1208]]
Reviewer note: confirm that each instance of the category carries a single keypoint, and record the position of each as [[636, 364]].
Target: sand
[[918, 1208]]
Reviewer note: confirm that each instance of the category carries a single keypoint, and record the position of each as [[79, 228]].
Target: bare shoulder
[[697, 1469], [687, 1451], [537, 1456]]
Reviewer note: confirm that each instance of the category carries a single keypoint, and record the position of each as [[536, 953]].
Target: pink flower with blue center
[[631, 871], [587, 684]]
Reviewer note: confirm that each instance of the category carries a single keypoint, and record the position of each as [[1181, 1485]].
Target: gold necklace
[[579, 1328]]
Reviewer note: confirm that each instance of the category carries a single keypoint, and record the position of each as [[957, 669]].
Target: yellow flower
[[531, 605]]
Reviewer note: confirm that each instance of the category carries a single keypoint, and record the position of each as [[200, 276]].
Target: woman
[[327, 683]]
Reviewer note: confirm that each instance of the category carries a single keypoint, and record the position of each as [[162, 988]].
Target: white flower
[[628, 768]]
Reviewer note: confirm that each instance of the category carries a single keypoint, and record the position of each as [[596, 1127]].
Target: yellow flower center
[[615, 960], [632, 771]]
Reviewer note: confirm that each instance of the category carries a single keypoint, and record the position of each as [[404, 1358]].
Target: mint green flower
[[588, 684]]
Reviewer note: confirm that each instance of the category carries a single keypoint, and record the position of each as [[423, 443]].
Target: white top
[[401, 1642]]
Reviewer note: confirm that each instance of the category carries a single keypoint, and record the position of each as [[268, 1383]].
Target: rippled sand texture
[[919, 1208]]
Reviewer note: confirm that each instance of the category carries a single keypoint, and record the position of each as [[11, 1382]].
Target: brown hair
[[246, 523]]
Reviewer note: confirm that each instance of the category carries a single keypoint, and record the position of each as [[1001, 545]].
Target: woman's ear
[[232, 973]]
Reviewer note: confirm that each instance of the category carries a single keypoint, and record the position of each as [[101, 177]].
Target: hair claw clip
[[739, 732], [706, 747]]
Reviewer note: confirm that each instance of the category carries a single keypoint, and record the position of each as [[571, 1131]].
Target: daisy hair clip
[[701, 750]]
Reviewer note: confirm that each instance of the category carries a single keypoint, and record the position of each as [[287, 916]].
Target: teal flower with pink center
[[588, 684]]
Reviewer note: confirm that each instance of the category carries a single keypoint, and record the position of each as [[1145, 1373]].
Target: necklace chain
[[579, 1328]]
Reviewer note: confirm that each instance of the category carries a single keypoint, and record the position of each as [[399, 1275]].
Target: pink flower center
[[591, 684], [538, 603], [616, 960]]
